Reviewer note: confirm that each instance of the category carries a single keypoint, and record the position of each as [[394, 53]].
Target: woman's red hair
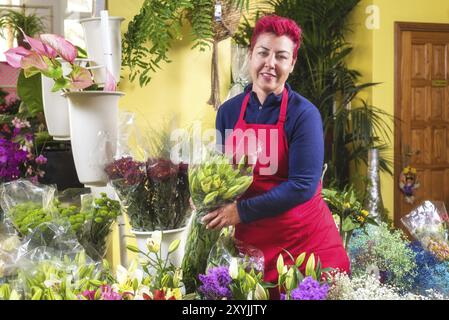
[[280, 26]]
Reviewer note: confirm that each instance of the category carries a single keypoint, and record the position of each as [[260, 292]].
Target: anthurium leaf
[[29, 91], [60, 84]]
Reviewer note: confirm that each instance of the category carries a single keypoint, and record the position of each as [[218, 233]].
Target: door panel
[[422, 105]]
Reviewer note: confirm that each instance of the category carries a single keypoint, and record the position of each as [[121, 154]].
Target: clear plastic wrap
[[27, 205], [152, 189], [228, 248], [427, 223], [9, 245], [214, 182], [240, 72]]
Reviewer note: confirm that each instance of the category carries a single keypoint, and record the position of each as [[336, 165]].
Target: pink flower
[[111, 84], [14, 56], [40, 47], [41, 160], [63, 47]]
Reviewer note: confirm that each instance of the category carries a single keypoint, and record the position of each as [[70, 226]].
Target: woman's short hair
[[280, 26]]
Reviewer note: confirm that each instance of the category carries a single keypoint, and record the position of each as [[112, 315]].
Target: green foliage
[[348, 211], [29, 91], [151, 32], [15, 20], [352, 126]]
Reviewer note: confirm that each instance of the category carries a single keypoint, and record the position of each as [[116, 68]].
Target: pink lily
[[111, 84], [14, 56], [63, 47]]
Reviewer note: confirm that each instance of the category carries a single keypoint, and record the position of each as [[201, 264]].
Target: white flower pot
[[93, 129], [95, 50], [168, 236], [56, 107], [56, 111]]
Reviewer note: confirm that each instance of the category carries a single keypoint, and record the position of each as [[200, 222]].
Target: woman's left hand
[[223, 217]]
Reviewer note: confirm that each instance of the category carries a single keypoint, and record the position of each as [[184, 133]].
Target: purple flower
[[310, 289], [215, 284], [12, 160], [41, 160]]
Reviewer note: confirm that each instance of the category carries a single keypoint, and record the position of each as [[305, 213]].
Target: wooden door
[[422, 105]]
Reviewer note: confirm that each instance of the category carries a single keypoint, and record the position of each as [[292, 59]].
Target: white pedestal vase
[[95, 50], [168, 236], [56, 107], [93, 129]]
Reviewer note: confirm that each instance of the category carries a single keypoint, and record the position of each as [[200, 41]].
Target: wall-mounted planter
[[93, 129]]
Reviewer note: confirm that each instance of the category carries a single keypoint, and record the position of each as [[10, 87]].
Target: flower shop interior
[[98, 101]]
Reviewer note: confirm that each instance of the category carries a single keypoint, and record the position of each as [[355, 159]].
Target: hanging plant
[[150, 34]]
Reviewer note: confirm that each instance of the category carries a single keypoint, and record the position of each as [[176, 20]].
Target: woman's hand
[[223, 217]]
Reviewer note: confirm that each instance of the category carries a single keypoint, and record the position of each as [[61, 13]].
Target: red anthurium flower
[[14, 56], [63, 47]]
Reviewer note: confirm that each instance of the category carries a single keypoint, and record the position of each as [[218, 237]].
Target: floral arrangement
[[369, 287], [427, 223], [163, 280], [213, 183], [46, 56], [91, 221], [347, 211], [294, 285], [233, 283], [432, 273], [385, 252]]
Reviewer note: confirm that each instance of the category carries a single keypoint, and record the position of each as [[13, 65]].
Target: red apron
[[308, 227]]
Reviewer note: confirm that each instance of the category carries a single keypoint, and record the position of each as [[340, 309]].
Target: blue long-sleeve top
[[304, 131]]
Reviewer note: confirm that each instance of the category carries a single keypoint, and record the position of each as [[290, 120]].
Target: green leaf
[[29, 91], [349, 225], [60, 83]]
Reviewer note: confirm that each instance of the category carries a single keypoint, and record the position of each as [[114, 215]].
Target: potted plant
[[93, 113], [160, 22], [12, 21]]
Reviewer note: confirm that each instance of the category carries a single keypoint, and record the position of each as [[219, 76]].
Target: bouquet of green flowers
[[213, 183]]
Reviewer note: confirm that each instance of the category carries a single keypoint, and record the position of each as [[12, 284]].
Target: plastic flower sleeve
[[100, 213], [27, 205], [9, 245], [240, 73], [228, 248], [427, 223]]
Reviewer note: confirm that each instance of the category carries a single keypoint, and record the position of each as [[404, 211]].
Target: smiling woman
[[281, 209]]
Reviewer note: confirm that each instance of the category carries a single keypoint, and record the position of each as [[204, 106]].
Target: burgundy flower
[[161, 169]]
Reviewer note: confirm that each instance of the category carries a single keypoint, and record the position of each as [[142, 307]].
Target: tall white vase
[[95, 50], [93, 129]]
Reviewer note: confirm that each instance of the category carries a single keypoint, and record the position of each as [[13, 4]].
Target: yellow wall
[[374, 50], [179, 91]]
